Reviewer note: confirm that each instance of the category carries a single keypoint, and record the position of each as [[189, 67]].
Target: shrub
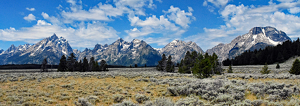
[[257, 102], [125, 103], [229, 69], [265, 69], [118, 98], [277, 66], [83, 102], [160, 102], [189, 101], [141, 98], [296, 67]]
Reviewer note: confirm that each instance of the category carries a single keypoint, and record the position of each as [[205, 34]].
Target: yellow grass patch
[[65, 91]]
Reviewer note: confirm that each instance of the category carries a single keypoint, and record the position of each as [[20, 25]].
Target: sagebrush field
[[145, 86]]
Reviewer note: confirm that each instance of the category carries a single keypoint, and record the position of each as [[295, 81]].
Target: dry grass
[[58, 91]]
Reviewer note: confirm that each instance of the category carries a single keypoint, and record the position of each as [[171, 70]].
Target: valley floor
[[145, 86]]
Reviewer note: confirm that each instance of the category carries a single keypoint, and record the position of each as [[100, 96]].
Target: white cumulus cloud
[[181, 17], [30, 17], [294, 10]]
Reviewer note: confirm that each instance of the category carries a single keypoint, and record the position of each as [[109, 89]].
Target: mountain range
[[137, 51], [119, 52]]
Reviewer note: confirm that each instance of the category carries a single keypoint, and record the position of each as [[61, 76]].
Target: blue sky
[[158, 22]]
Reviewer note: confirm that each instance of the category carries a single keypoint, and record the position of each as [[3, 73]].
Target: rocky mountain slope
[[52, 48], [124, 53], [256, 38], [177, 49]]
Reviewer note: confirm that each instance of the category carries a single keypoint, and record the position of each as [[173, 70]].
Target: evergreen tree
[[44, 65], [265, 69], [180, 67], [77, 66], [202, 69], [103, 65], [145, 65], [277, 66], [230, 69], [296, 67], [169, 65], [187, 63], [92, 64], [62, 66], [85, 65], [162, 64], [253, 59], [96, 66], [80, 66], [71, 62], [135, 65], [280, 57]]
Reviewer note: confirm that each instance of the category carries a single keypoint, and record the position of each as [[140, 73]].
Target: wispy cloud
[[30, 9]]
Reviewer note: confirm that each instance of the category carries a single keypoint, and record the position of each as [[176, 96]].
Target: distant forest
[[269, 55]]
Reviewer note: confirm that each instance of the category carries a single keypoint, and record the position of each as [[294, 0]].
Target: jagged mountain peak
[[178, 48], [176, 41], [54, 36], [120, 40], [136, 41], [86, 50], [256, 38], [12, 46]]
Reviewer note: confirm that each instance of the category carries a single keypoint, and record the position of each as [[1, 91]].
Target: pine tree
[[187, 63], [180, 66], [277, 66], [62, 66], [253, 59], [265, 69], [76, 66], [85, 65], [71, 62], [103, 65], [202, 69], [80, 66], [169, 64], [96, 66], [230, 69], [92, 64], [135, 65], [280, 57], [44, 65], [296, 67], [162, 64]]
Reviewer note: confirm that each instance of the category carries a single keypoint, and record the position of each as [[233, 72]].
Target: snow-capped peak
[[136, 41], [256, 38]]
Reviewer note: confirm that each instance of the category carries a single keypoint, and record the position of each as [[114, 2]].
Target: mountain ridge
[[256, 38]]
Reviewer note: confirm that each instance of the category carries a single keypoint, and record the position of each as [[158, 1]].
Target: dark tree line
[[202, 66], [71, 64], [165, 64], [269, 55]]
